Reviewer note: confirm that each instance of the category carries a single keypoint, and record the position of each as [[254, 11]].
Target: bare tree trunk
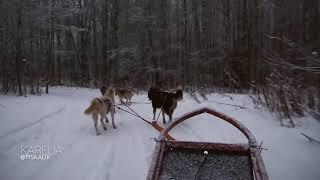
[[105, 38], [50, 52], [95, 45], [148, 3], [19, 8], [115, 63], [184, 39]]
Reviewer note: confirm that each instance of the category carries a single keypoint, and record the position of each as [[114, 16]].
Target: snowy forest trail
[[57, 119], [27, 125]]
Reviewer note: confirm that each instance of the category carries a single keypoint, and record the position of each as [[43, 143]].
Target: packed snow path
[[57, 120]]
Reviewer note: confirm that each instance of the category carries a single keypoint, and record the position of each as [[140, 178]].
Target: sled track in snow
[[27, 125]]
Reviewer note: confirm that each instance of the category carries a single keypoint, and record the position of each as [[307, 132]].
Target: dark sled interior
[[205, 161]]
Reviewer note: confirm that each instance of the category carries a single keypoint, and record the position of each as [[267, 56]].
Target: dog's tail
[[92, 107], [152, 92], [179, 94]]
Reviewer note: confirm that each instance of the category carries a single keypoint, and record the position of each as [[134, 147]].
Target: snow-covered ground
[[56, 122]]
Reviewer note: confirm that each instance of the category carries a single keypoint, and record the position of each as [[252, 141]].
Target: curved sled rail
[[258, 166], [235, 123]]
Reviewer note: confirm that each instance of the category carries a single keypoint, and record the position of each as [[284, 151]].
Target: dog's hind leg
[[130, 100], [95, 121], [102, 123], [112, 119], [107, 121]]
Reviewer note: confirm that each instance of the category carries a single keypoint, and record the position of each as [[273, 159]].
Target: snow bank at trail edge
[[57, 120]]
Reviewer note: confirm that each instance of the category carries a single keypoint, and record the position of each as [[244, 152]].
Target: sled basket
[[203, 160]]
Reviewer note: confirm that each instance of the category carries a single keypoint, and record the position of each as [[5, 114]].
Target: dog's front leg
[[120, 100], [163, 117], [170, 118], [154, 113], [95, 121], [114, 107]]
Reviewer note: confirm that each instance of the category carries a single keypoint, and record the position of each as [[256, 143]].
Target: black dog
[[166, 101]]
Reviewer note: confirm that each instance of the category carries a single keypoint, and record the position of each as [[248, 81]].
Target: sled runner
[[202, 160]]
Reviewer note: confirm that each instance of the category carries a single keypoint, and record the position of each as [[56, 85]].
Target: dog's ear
[[103, 90]]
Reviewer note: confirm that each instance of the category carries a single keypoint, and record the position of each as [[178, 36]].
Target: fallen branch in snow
[[204, 97], [310, 138], [140, 102], [194, 97], [118, 104], [260, 146], [241, 107], [226, 95]]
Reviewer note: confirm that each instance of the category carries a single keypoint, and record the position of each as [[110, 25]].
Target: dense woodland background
[[269, 48]]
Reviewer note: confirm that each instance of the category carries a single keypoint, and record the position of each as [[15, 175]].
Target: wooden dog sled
[[202, 160]]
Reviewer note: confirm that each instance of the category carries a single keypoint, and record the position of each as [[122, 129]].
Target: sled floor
[[198, 164]]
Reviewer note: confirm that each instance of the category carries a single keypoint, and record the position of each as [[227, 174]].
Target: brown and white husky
[[109, 92], [101, 106]]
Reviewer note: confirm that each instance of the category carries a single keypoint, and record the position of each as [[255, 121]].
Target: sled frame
[[251, 149]]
